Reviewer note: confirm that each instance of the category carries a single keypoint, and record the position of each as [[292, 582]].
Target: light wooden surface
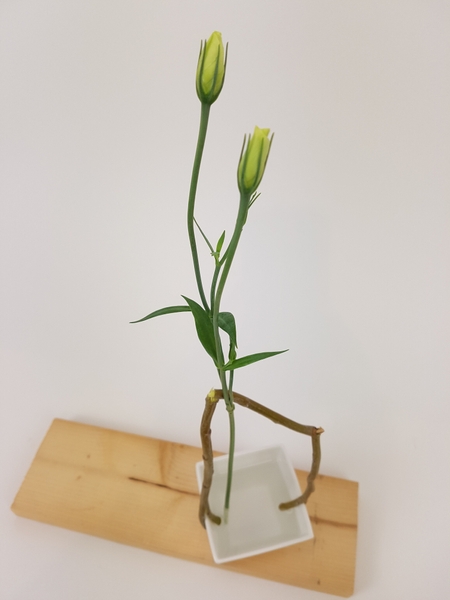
[[143, 492]]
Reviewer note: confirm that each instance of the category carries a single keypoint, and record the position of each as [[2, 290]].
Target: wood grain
[[143, 492]]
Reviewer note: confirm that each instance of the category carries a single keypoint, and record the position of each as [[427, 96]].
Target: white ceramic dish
[[262, 479]]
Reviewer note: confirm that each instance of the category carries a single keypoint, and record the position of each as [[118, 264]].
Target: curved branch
[[313, 432], [208, 464], [316, 455]]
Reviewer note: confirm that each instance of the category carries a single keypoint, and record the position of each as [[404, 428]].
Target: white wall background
[[345, 260]]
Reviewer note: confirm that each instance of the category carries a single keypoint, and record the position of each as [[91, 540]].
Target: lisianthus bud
[[253, 160], [211, 69]]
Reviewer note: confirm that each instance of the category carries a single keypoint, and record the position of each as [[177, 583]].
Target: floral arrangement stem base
[[143, 492]]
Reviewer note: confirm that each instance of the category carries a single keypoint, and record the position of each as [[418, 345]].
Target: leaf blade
[[220, 244], [204, 327], [227, 323], [163, 311], [243, 361]]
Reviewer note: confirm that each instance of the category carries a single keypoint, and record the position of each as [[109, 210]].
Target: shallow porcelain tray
[[262, 479]]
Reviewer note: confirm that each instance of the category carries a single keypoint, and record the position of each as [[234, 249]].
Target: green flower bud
[[211, 69], [253, 160]]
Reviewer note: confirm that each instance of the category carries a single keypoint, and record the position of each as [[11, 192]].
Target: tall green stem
[[231, 446], [230, 252], [214, 279], [227, 390], [204, 117]]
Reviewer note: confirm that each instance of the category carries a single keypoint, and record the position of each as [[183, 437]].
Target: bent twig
[[313, 432], [208, 468]]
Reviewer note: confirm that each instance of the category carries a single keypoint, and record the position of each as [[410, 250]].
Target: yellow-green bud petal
[[211, 69], [253, 161]]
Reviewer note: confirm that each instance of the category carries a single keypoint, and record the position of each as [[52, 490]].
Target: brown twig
[[313, 432], [208, 468], [316, 454]]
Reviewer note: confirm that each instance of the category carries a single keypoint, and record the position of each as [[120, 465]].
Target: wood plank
[[143, 492]]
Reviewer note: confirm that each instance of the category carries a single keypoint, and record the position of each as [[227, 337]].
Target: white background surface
[[344, 259]]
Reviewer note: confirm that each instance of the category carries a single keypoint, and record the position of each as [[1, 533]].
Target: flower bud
[[211, 69], [253, 160]]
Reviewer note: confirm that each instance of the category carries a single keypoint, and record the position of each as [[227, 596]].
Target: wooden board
[[143, 492]]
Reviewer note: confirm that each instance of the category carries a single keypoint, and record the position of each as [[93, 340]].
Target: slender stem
[[214, 283], [230, 383], [231, 446], [204, 117], [215, 277], [230, 252]]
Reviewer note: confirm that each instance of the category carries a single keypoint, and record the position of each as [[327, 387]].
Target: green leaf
[[226, 321], [203, 325], [204, 236], [248, 360], [220, 243], [164, 311]]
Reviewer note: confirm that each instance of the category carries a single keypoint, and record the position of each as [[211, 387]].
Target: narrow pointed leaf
[[220, 243], [164, 311], [227, 322], [203, 325], [204, 236], [248, 360]]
